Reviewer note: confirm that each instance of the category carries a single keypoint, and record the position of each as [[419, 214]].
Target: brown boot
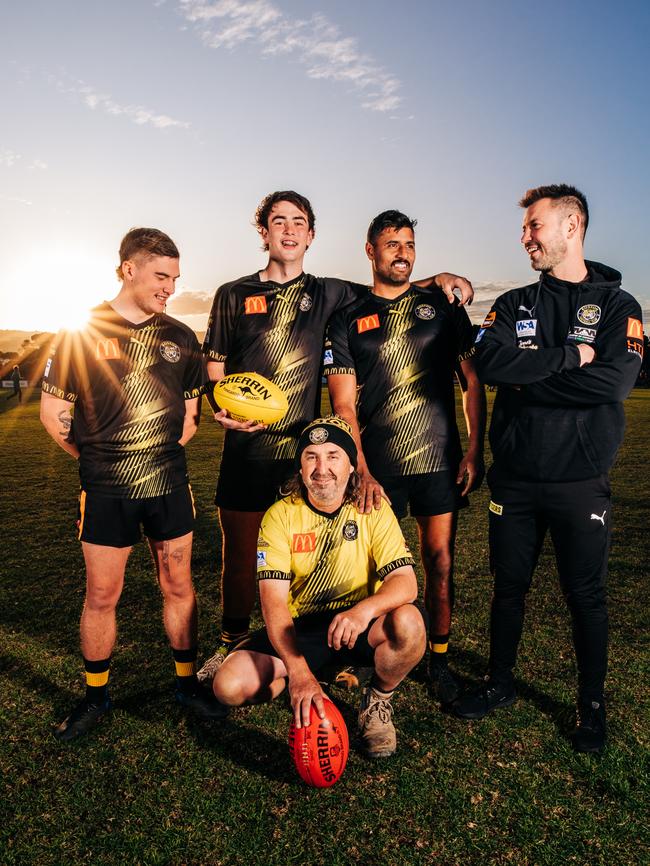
[[376, 728]]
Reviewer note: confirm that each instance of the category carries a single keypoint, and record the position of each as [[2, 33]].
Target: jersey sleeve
[[338, 356], [389, 549], [611, 376], [499, 361], [464, 333], [273, 545], [221, 324], [61, 374], [194, 377]]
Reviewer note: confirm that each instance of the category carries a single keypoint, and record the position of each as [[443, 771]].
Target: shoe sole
[[508, 702]]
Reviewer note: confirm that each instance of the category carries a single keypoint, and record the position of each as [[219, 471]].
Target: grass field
[[151, 787]]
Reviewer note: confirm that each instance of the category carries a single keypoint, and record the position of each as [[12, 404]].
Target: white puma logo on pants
[[598, 517]]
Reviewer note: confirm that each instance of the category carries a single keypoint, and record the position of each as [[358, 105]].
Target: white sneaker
[[210, 667]]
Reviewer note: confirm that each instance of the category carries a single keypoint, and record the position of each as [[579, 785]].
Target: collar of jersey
[[386, 302], [272, 283], [109, 315], [329, 514]]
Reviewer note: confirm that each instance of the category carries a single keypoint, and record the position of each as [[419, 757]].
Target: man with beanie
[[565, 353], [335, 584]]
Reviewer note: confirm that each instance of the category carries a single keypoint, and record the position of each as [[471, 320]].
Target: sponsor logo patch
[[600, 517], [107, 349], [367, 323], [170, 351], [303, 542], [634, 329], [526, 327], [305, 302], [636, 347], [425, 311], [480, 335], [582, 335], [589, 314], [328, 357], [261, 558], [318, 435], [527, 344], [350, 530], [47, 368], [255, 304], [496, 509], [489, 320]]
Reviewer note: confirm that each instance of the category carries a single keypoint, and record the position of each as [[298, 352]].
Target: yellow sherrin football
[[251, 397]]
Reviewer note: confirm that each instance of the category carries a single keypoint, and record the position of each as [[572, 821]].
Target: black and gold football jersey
[[404, 353], [332, 560], [276, 330], [129, 384]]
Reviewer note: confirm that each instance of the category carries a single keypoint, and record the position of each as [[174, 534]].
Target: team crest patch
[[305, 302], [496, 509], [170, 351], [425, 311], [589, 314], [350, 530], [318, 435]]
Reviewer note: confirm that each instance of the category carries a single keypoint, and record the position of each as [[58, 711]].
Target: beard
[[554, 252]]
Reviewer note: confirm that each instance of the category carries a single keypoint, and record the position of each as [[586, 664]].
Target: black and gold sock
[[185, 664], [439, 644], [97, 680], [233, 630]]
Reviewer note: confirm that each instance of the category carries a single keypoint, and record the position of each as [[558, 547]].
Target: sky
[[183, 114]]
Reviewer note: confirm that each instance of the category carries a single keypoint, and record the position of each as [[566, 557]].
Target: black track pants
[[578, 515]]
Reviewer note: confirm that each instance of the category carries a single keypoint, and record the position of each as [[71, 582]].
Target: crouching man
[[334, 585]]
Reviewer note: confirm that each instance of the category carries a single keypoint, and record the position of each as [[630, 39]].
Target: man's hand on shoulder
[[305, 690], [229, 423], [448, 282], [370, 493]]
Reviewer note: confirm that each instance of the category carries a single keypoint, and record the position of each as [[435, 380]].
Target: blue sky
[[182, 114]]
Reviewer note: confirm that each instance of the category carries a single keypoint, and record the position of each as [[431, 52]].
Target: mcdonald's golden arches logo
[[107, 349], [634, 329], [304, 542], [255, 304], [367, 323]]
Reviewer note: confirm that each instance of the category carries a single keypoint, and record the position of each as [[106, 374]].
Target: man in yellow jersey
[[271, 322], [335, 584], [134, 377]]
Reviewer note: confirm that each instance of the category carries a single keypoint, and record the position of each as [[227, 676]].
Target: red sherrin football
[[320, 751]]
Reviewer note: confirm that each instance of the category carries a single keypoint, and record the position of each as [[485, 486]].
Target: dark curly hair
[[264, 209]]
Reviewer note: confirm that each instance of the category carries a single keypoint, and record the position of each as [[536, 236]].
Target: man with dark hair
[[390, 359], [565, 353], [334, 584], [273, 323], [134, 377]]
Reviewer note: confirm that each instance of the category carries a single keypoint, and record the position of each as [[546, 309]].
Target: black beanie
[[330, 429]]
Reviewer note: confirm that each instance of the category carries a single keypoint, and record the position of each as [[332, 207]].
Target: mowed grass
[[152, 787]]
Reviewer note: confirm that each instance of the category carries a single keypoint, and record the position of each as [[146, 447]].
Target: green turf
[[150, 787]]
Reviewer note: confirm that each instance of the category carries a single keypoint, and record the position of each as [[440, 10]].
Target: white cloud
[[39, 164], [9, 158], [135, 113], [16, 200], [316, 43]]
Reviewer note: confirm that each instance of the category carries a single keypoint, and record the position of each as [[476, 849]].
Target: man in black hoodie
[[565, 352]]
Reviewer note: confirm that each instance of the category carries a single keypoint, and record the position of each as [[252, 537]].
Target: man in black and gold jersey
[[334, 584], [273, 323], [390, 359], [134, 377]]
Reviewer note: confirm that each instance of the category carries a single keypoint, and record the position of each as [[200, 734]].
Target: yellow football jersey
[[332, 560]]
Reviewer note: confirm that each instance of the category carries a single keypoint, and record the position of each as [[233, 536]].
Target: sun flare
[[56, 288]]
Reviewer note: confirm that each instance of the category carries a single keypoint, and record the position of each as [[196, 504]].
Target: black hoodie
[[552, 419]]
